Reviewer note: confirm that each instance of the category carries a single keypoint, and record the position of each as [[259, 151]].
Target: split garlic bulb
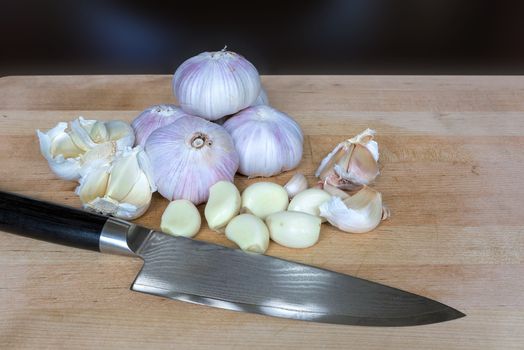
[[352, 163], [267, 141], [214, 84], [189, 156], [359, 213], [71, 149], [153, 118], [122, 189]]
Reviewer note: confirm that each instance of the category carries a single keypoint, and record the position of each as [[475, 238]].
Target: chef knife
[[208, 274]]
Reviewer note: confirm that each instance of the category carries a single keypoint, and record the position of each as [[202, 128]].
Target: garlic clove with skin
[[308, 201], [352, 163], [71, 149], [190, 155], [122, 189], [223, 204], [249, 232], [181, 218], [295, 185], [359, 213], [264, 198], [294, 229], [268, 141], [212, 85]]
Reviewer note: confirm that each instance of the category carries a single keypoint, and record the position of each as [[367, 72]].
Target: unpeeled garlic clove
[[334, 191], [70, 149], [223, 204], [249, 232], [296, 184], [308, 201], [122, 189], [294, 229], [181, 218], [264, 198], [352, 163], [359, 213]]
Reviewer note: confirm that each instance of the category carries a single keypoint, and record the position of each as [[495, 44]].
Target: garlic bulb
[[359, 213], [153, 118], [249, 232], [264, 198], [352, 163], [181, 218], [294, 229], [214, 84], [295, 185], [122, 189], [70, 149], [223, 204], [267, 141], [189, 156], [261, 99], [308, 201]]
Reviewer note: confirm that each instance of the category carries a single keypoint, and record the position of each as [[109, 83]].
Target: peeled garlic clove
[[264, 198], [359, 213], [223, 204], [295, 185], [261, 99], [153, 118], [267, 141], [308, 201], [181, 218], [352, 163], [249, 232], [190, 155], [215, 84], [294, 229]]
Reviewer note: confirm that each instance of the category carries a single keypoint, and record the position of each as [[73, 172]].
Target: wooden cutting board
[[452, 162]]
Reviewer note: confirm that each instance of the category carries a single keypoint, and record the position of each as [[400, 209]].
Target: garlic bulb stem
[[264, 198], [294, 229]]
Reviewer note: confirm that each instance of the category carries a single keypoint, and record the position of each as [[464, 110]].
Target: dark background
[[279, 37]]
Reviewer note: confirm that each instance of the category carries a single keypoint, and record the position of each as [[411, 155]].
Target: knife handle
[[50, 222]]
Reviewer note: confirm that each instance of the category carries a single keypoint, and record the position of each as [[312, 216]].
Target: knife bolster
[[121, 237]]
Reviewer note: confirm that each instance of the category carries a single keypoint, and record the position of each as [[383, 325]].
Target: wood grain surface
[[452, 161]]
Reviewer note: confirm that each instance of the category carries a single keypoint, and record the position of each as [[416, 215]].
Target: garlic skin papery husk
[[352, 163], [189, 156], [267, 141], [295, 185], [122, 189], [359, 213], [152, 118], [262, 98], [71, 149], [214, 84]]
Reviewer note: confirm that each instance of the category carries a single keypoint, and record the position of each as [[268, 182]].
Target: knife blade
[[203, 273]]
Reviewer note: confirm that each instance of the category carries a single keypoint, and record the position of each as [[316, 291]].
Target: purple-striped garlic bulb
[[268, 141], [212, 85], [152, 118], [189, 156]]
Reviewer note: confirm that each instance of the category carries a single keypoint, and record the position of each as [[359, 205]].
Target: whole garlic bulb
[[262, 98], [122, 189], [70, 149], [189, 156], [267, 141], [152, 118], [214, 84]]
